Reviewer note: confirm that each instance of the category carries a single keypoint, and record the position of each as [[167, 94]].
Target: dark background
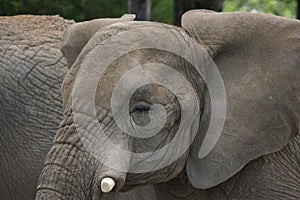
[[160, 10]]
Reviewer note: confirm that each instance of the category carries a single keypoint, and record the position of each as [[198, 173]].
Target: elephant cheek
[[165, 174]]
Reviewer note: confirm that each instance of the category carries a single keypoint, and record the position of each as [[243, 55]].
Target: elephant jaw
[[107, 184]]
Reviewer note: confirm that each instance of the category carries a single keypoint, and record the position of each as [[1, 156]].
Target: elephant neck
[[178, 188]]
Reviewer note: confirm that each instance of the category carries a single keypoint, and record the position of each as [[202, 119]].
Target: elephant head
[[144, 102]]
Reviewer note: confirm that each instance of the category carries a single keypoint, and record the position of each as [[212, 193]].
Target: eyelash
[[142, 107]]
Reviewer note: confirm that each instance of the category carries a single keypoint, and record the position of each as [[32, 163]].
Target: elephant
[[32, 68], [135, 77]]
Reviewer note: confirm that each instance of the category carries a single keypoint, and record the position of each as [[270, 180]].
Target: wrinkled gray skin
[[32, 68], [258, 153], [31, 72]]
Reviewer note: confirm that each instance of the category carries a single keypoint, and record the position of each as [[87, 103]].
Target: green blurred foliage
[[162, 10], [78, 10], [286, 8]]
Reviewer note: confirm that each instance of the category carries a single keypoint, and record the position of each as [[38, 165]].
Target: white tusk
[[107, 184]]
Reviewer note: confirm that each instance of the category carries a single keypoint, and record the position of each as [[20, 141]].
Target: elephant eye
[[142, 107], [140, 113]]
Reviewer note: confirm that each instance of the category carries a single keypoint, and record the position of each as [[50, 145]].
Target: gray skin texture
[[32, 68], [31, 71], [258, 153]]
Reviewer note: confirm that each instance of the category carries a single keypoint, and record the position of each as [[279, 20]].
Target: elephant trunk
[[68, 173], [76, 176], [71, 171]]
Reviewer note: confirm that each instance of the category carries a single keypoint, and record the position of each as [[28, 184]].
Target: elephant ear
[[258, 58], [77, 35]]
